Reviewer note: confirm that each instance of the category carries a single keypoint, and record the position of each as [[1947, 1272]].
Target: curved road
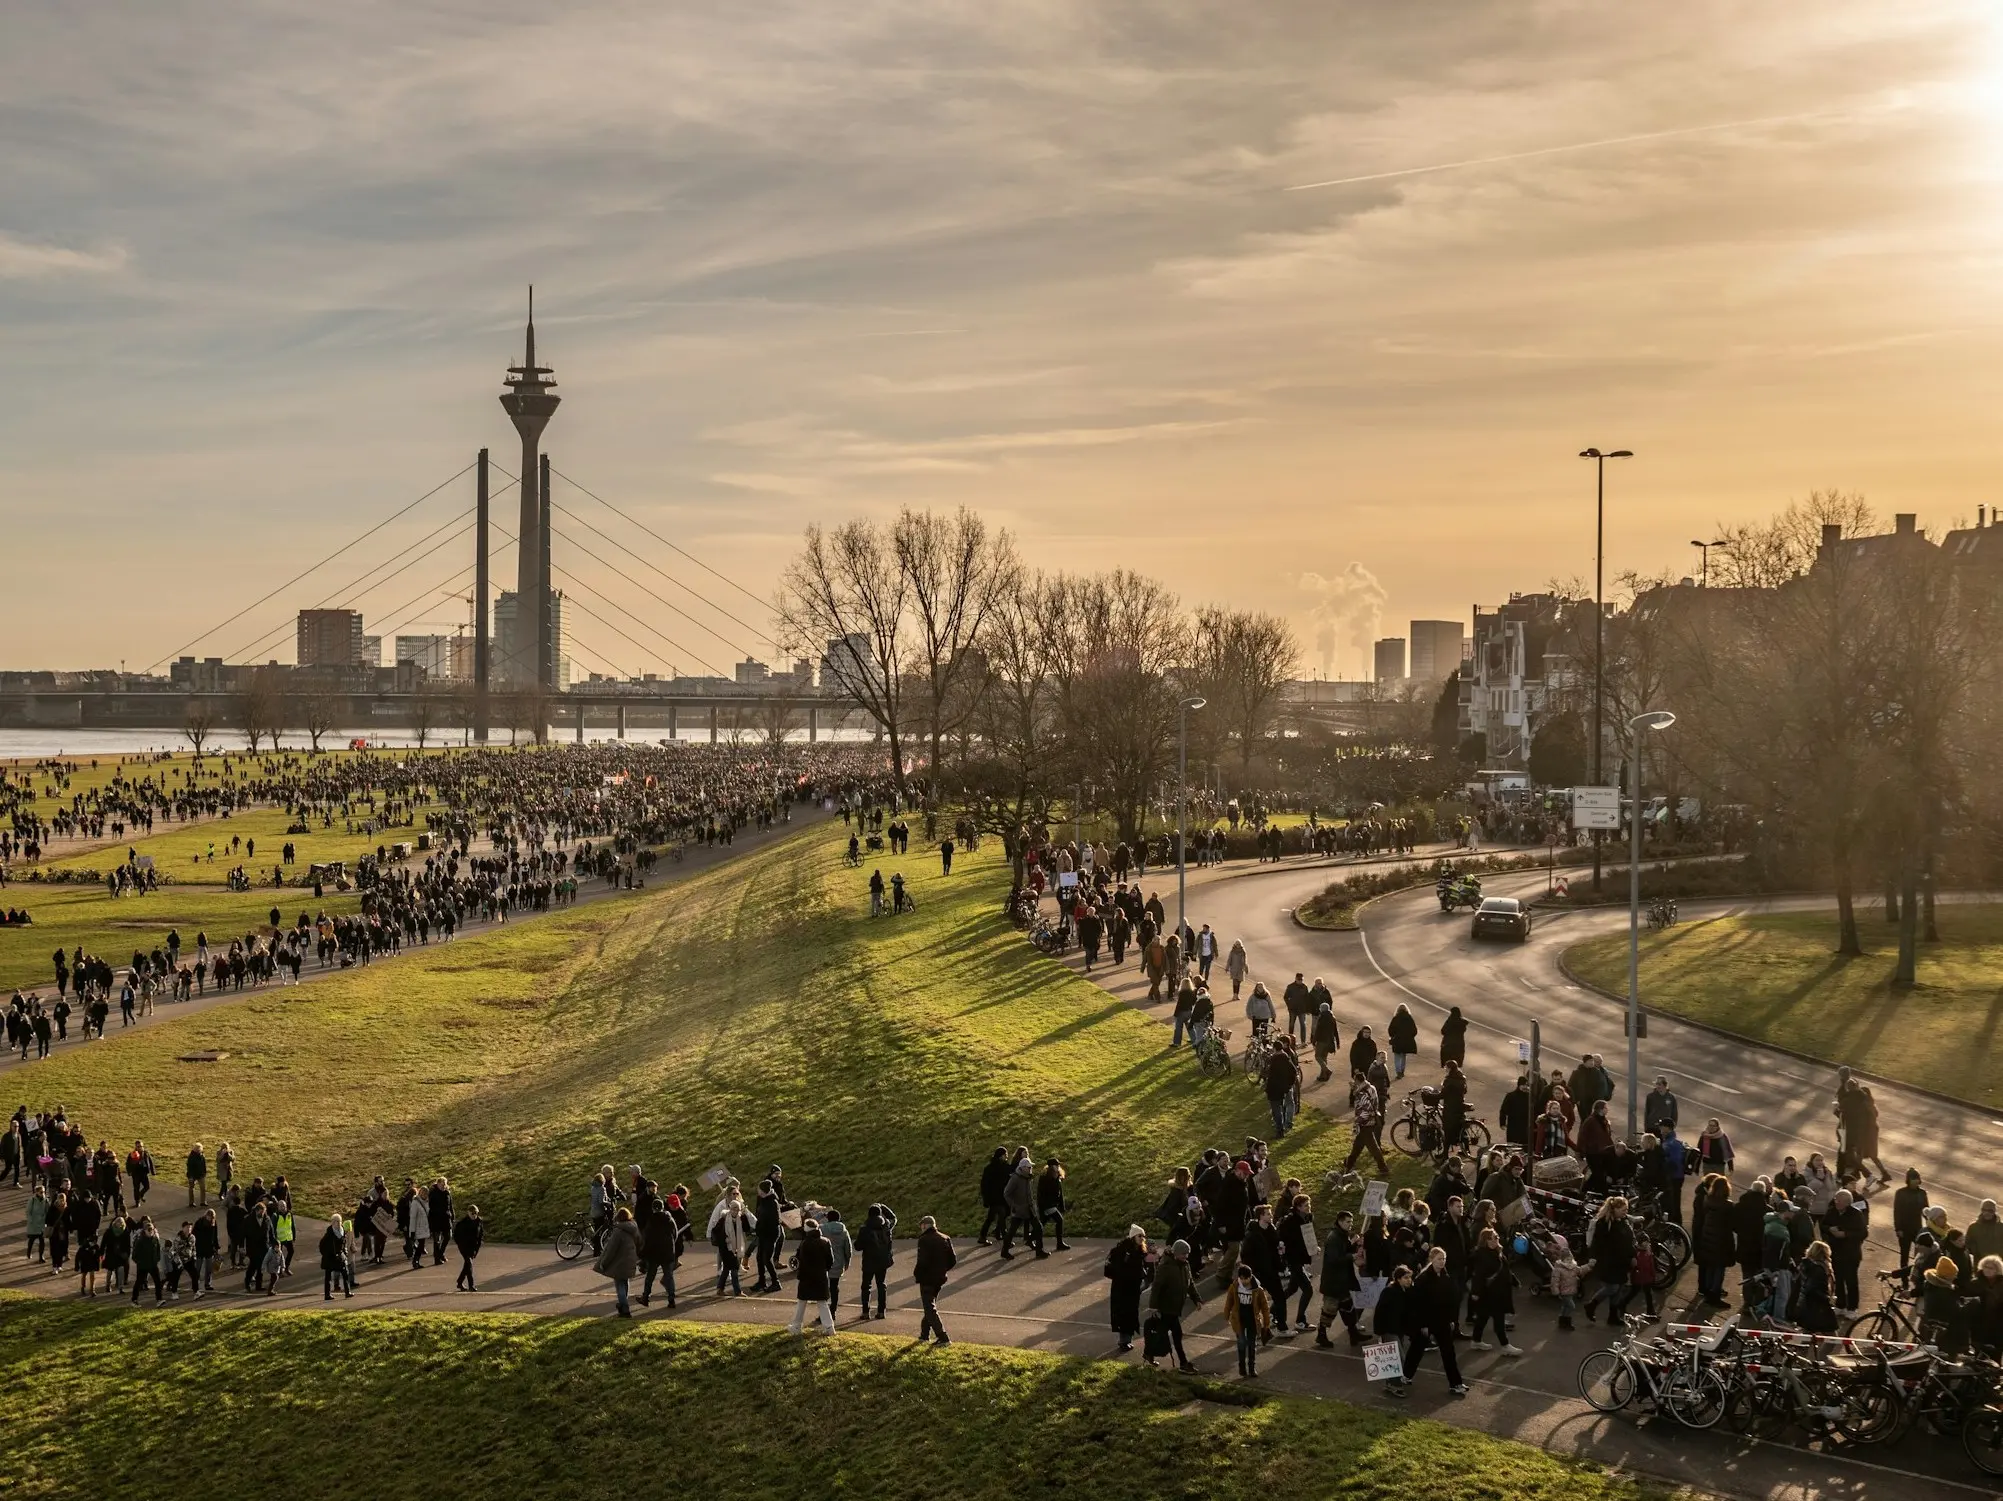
[[1771, 1104]]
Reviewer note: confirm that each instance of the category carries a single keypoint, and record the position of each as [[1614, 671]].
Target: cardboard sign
[[1383, 1362], [715, 1178], [1374, 1196]]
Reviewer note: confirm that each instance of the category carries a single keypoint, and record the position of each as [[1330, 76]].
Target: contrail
[[1517, 156]]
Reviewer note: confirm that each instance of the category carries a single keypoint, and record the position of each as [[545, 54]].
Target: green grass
[[114, 926], [752, 1014], [183, 852], [414, 1405], [1777, 977]]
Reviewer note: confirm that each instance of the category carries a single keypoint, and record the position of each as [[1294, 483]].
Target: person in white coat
[[1259, 1009], [730, 1230]]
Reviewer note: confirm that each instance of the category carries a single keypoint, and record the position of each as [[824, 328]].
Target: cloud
[[22, 260]]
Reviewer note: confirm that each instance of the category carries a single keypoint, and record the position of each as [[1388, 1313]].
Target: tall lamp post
[[1704, 559], [1182, 819], [1599, 618], [1655, 719]]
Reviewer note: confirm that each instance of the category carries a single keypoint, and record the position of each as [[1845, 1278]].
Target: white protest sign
[[715, 1178], [1373, 1198], [1522, 1052], [1383, 1362]]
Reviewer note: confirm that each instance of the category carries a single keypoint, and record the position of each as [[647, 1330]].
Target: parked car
[[1502, 916]]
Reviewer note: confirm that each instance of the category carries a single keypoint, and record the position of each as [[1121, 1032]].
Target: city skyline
[[1242, 302]]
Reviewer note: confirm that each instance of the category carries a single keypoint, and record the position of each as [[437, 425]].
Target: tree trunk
[[1891, 898], [1931, 931], [1905, 972], [1847, 941]]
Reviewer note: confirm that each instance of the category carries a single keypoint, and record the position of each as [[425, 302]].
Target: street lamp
[[1599, 613], [1704, 559], [1182, 820], [1655, 719]]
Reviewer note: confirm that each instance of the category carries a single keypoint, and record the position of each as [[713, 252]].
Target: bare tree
[[846, 589], [198, 723], [1023, 757], [321, 710], [459, 709], [953, 571], [258, 708], [425, 713], [1242, 659]]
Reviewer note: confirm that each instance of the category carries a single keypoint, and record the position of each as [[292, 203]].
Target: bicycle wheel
[[1216, 1062], [1254, 1060], [1475, 1137], [1873, 1408], [1696, 1398], [1405, 1136], [1982, 1437], [572, 1241], [1672, 1243], [1878, 1325], [1606, 1380]]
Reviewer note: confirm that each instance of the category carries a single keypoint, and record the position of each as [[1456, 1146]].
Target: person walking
[[1402, 1033], [1909, 1206], [835, 1233], [935, 1258], [1050, 1201], [1453, 1038], [1610, 1247], [438, 1217], [1325, 1038], [1237, 966], [147, 1254], [1339, 1283], [875, 1245], [660, 1248], [198, 1174], [1249, 1312], [1020, 1196], [1367, 1120], [731, 1229], [469, 1234], [334, 1260], [1430, 1317], [1127, 1269], [1174, 1289], [994, 1178], [813, 1278], [619, 1258]]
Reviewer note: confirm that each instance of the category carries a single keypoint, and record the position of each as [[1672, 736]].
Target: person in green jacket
[[1174, 1289]]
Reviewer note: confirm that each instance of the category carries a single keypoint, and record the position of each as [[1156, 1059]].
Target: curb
[[1774, 1047]]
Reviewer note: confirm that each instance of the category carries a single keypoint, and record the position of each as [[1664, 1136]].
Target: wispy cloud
[[22, 259]]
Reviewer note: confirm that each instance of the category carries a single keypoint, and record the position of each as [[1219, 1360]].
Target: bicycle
[[1661, 914], [1213, 1055], [575, 1237], [1421, 1131], [1897, 1318], [1657, 1375], [1259, 1051]]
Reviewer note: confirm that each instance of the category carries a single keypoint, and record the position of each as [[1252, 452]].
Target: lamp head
[[1193, 702], [1621, 453], [1654, 719]]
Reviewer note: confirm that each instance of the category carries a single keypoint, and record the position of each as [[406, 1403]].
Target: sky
[[1301, 307]]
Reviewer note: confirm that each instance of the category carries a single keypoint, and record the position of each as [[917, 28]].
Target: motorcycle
[[1458, 891]]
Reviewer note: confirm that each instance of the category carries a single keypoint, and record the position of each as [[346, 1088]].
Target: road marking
[[1708, 1084], [1530, 982]]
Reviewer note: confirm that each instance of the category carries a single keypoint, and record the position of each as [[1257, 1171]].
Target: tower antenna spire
[[529, 359]]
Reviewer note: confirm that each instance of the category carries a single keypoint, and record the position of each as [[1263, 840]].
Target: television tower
[[529, 405]]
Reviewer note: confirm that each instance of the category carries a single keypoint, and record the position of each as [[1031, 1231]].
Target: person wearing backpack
[[877, 1251]]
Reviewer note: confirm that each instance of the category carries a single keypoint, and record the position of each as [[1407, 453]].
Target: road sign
[[1596, 807]]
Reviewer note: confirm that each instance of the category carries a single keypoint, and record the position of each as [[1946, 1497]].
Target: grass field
[[114, 927], [1777, 977], [182, 851], [752, 1014], [416, 1405]]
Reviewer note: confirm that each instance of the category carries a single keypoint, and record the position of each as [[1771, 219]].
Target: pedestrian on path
[[1174, 1290], [334, 1260], [1430, 1320], [1127, 1269], [619, 1258], [1366, 1119], [1402, 1032], [934, 1260], [468, 1235], [877, 1248], [731, 1229], [814, 1278], [1249, 1312]]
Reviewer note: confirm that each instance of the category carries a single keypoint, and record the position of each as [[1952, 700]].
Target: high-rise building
[[432, 653], [1389, 660], [331, 638], [514, 642], [751, 670], [1436, 650], [372, 651]]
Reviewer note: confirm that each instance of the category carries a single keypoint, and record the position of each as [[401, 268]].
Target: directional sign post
[[1596, 807]]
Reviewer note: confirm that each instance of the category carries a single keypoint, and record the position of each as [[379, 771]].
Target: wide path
[[1059, 1306]]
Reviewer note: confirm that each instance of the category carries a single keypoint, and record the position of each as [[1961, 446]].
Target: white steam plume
[[1348, 607]]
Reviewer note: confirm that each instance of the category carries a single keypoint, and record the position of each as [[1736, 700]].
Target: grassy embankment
[[67, 916], [1777, 977], [402, 1405], [751, 1014]]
